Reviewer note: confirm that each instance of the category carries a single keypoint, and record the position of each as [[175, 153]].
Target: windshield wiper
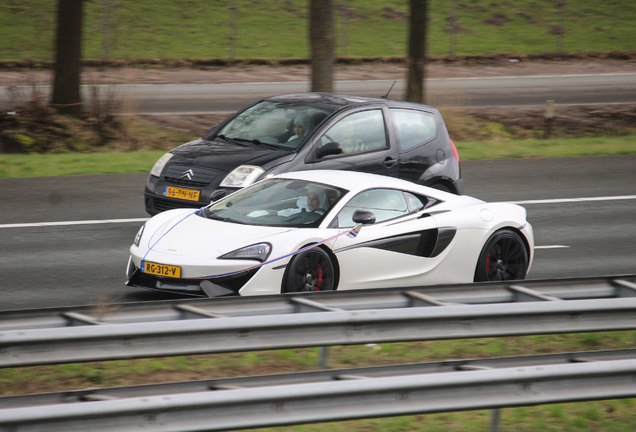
[[257, 142], [230, 140]]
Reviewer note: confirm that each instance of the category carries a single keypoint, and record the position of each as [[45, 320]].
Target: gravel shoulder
[[361, 71]]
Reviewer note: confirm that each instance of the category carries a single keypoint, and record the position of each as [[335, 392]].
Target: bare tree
[[66, 98], [322, 40], [417, 51]]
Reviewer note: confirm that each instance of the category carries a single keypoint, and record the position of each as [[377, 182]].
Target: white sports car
[[327, 230]]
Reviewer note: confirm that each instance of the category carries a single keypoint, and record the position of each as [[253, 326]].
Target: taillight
[[455, 153]]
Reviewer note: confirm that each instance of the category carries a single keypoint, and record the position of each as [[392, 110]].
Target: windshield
[[283, 124], [277, 202]]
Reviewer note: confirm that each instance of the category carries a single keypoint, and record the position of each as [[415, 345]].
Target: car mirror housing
[[217, 195], [331, 148], [364, 217], [211, 132]]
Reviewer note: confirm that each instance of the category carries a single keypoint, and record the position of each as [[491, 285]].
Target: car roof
[[337, 101], [353, 180]]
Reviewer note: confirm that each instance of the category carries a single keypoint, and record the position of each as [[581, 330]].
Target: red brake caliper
[[488, 264], [318, 277]]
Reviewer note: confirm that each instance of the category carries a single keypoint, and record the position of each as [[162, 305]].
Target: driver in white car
[[316, 200]]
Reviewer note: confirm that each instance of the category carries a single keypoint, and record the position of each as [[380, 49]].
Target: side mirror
[[364, 217], [331, 148], [217, 195]]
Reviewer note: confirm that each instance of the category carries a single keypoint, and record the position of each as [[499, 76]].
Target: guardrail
[[183, 309], [321, 319], [351, 397], [35, 338], [325, 375]]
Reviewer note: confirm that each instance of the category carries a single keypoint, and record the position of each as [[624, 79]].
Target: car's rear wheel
[[311, 270], [503, 257], [442, 187]]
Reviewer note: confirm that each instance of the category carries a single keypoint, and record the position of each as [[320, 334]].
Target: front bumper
[[155, 202], [210, 287]]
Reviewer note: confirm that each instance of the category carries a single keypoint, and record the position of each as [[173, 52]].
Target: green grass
[[42, 165], [271, 29], [590, 146]]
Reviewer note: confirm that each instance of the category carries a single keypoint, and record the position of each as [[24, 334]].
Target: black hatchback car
[[302, 132]]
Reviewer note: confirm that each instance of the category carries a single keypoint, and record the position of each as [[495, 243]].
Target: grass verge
[[108, 162]]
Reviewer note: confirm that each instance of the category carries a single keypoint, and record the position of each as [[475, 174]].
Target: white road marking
[[142, 220], [575, 200], [67, 223], [552, 247]]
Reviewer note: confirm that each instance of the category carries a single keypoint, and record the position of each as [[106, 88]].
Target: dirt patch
[[347, 69], [497, 20]]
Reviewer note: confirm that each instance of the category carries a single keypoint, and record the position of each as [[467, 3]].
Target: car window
[[283, 124], [359, 132], [415, 203], [277, 202], [414, 127], [384, 203]]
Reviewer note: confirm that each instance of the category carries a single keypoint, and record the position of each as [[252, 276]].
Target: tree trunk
[[321, 37], [66, 98], [417, 51]]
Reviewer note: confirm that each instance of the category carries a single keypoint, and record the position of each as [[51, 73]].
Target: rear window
[[414, 128]]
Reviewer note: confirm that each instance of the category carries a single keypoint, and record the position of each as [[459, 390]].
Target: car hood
[[225, 156], [185, 233]]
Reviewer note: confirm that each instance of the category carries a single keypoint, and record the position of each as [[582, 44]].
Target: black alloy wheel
[[311, 270], [442, 187], [504, 257]]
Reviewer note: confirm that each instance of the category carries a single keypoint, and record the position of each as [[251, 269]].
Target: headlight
[[242, 176], [258, 252], [139, 234], [163, 160]]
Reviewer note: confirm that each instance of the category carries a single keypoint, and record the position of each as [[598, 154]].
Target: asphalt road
[[451, 92], [64, 240]]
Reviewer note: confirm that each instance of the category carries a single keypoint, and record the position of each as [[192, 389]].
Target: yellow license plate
[[181, 193], [161, 269]]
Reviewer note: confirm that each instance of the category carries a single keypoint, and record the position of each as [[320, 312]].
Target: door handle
[[389, 162]]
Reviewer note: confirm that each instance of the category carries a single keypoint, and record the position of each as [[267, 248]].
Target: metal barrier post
[[495, 417], [324, 357]]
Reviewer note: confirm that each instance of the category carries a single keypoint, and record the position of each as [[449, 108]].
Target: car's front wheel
[[503, 257], [311, 270]]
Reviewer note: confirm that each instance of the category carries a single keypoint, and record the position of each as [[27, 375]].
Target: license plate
[[161, 269], [181, 193]]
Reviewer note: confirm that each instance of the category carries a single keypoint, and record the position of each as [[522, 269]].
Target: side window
[[358, 132], [384, 203], [415, 203], [414, 127]]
